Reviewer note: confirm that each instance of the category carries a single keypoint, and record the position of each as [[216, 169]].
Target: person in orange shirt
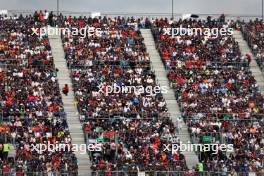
[[253, 130]]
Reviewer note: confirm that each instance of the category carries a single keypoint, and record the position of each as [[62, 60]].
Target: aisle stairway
[[258, 75], [172, 105], [68, 101]]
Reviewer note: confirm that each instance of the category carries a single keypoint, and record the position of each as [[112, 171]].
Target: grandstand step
[[72, 117], [147, 37], [71, 109], [152, 50], [160, 69], [75, 129], [156, 59], [83, 157], [76, 134], [78, 141], [73, 121], [84, 170], [81, 144], [75, 126], [72, 114], [69, 102], [256, 71], [162, 80]]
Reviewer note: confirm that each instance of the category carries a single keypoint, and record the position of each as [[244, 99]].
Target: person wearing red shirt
[[165, 55], [188, 64], [6, 168], [1, 76], [171, 75], [246, 83], [179, 79], [81, 24], [175, 156], [228, 85], [185, 94], [65, 89]]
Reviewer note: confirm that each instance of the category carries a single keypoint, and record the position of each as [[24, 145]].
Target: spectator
[[65, 89], [5, 151]]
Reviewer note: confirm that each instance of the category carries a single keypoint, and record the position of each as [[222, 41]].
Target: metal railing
[[245, 17], [173, 173], [45, 173], [134, 173]]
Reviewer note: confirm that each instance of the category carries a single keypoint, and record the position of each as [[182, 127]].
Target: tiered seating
[[217, 94], [131, 127], [253, 32], [30, 101]]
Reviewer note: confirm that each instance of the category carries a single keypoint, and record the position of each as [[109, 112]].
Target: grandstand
[[213, 95]]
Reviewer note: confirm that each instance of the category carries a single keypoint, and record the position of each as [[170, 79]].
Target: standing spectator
[[50, 19], [5, 151], [65, 89], [13, 137]]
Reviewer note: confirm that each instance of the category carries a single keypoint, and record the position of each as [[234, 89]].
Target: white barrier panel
[[3, 12], [95, 14]]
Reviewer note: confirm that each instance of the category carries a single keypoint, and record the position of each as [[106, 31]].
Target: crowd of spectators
[[19, 47], [30, 101], [131, 126], [218, 95]]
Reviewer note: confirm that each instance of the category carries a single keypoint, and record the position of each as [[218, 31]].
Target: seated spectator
[[128, 125], [217, 94]]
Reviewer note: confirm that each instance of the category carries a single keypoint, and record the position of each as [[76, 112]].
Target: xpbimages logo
[[83, 148], [148, 90], [82, 32], [214, 148], [209, 32]]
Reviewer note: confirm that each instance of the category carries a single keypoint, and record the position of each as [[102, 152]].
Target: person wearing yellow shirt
[[200, 167], [60, 134], [5, 151]]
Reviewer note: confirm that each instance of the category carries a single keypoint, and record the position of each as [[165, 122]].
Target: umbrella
[[2, 128], [194, 16], [186, 16]]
